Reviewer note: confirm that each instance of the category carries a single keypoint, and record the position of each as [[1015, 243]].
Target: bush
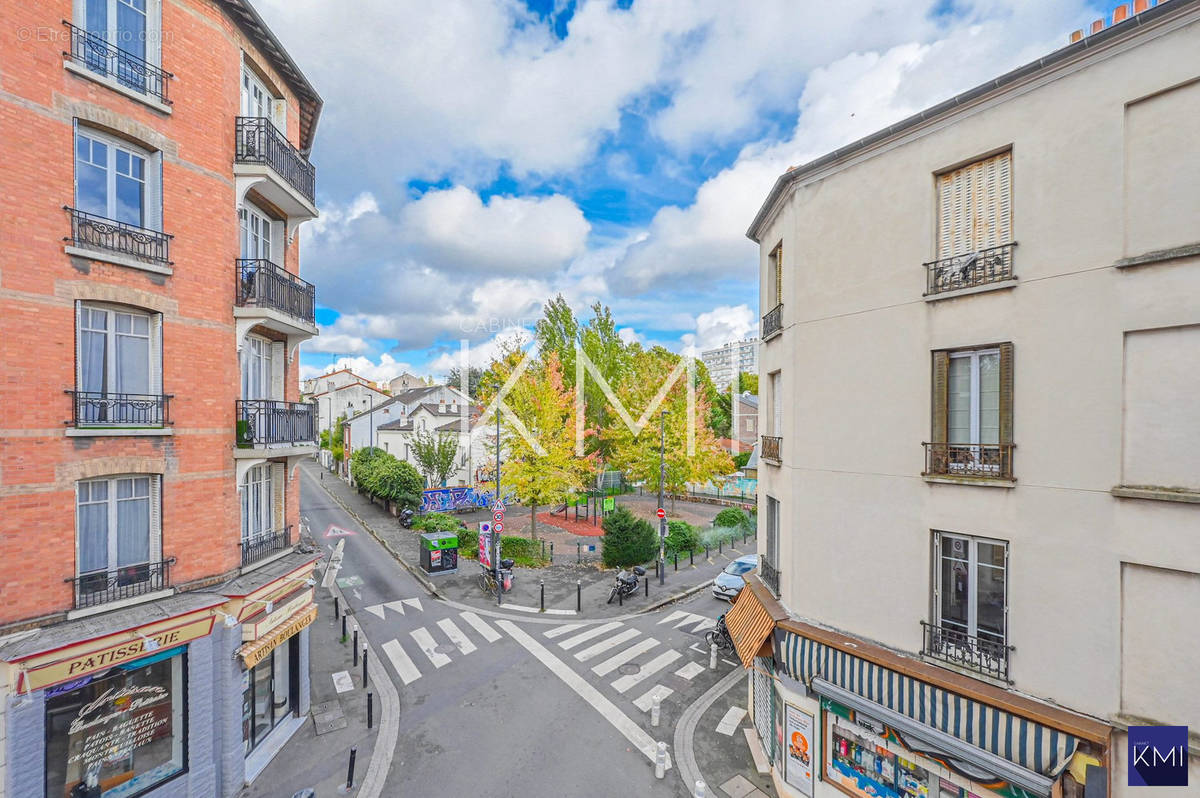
[[731, 518], [380, 474], [524, 552], [468, 542], [682, 537], [438, 522], [627, 540]]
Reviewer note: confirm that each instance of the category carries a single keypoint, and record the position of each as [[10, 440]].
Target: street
[[539, 706]]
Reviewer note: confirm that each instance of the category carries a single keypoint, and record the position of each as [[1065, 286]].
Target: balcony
[[768, 574], [985, 267], [772, 448], [116, 67], [267, 423], [126, 582], [772, 323], [92, 409], [259, 547], [262, 284], [267, 162], [969, 460], [979, 654], [91, 236]]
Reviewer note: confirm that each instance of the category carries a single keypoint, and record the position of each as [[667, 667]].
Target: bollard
[[343, 628], [344, 789], [676, 556], [620, 597], [647, 588], [743, 537], [337, 608], [552, 551], [355, 648], [578, 592], [370, 709], [712, 657], [364, 664], [543, 586], [543, 549], [692, 558], [578, 552], [720, 546], [655, 703], [699, 789], [660, 761], [706, 552]]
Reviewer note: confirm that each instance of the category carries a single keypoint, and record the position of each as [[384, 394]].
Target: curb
[[691, 591], [685, 728]]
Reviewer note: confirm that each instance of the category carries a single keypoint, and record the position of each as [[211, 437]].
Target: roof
[[399, 425], [310, 102], [352, 385], [247, 583], [996, 86], [748, 399]]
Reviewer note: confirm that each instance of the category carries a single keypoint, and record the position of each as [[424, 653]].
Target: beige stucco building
[[980, 480]]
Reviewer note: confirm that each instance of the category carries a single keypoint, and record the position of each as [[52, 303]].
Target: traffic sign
[[498, 526], [498, 507], [497, 516], [661, 513]]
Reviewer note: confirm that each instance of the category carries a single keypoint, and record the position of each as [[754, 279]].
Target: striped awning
[[749, 624], [254, 652], [1023, 742]]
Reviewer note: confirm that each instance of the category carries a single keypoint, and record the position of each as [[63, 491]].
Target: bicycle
[[719, 636], [487, 577]]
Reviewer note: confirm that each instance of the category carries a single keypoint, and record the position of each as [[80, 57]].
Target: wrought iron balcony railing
[[262, 545], [969, 270], [260, 142], [772, 448], [768, 574], [96, 232], [265, 422], [128, 581], [772, 323], [97, 409], [982, 460], [986, 655], [262, 284], [97, 55]]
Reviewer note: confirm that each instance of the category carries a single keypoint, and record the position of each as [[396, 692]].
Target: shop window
[[124, 731], [270, 692]]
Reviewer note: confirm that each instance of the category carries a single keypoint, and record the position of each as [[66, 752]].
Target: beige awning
[[253, 653]]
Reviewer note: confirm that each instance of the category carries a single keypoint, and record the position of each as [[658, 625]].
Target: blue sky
[[477, 157]]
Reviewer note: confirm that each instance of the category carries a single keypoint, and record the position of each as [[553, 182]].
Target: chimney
[[1120, 14], [441, 405]]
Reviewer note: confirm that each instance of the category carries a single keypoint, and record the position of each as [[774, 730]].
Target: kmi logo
[[1158, 756]]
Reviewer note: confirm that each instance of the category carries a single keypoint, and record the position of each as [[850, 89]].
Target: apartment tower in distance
[[156, 593], [979, 488]]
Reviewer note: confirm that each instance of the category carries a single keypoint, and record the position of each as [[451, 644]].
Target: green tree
[[435, 453], [474, 375], [333, 442], [557, 332], [627, 540], [747, 382]]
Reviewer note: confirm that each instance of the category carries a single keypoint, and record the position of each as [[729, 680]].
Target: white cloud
[[380, 371], [720, 326], [337, 343]]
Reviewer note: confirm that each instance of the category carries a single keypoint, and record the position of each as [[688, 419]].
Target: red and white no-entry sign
[[661, 513]]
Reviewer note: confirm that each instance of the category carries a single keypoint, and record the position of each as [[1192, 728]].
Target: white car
[[730, 582]]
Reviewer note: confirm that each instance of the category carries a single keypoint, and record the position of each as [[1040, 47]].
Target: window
[[117, 519], [775, 276], [258, 504], [772, 551], [972, 412], [115, 179], [777, 404], [975, 206], [970, 587], [124, 729], [262, 367], [118, 365], [256, 233], [270, 693], [259, 102]]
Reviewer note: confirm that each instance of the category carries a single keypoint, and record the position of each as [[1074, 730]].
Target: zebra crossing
[[425, 643]]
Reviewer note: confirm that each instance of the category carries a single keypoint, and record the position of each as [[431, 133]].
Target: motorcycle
[[406, 517], [719, 636], [627, 583]]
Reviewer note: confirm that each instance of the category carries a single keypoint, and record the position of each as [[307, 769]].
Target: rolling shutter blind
[[279, 510], [975, 206], [1006, 393], [278, 353], [940, 398]]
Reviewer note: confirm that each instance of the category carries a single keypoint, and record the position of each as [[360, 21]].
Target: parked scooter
[[406, 517], [627, 583]]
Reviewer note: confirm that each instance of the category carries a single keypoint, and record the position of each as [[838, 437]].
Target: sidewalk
[[569, 584], [319, 761], [722, 752]]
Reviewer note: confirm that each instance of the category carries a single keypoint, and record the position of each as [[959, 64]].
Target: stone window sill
[[108, 82], [119, 605], [118, 259], [118, 432], [975, 289], [982, 482], [1156, 494], [1159, 256]]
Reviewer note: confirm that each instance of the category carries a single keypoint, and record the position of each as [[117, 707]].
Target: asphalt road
[[499, 704]]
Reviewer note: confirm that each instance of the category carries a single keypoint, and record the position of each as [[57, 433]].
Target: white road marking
[[649, 669], [424, 641], [647, 698], [335, 563], [401, 662], [606, 645], [376, 610], [413, 603], [612, 663], [456, 635], [693, 620], [561, 612], [488, 633], [690, 671], [674, 616], [588, 634], [696, 647], [395, 606], [558, 631], [342, 682], [607, 709], [357, 594], [728, 724]]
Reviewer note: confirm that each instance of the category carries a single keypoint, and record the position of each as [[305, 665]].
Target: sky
[[477, 157]]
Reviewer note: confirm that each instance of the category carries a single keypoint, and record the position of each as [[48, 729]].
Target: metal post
[[370, 709], [552, 551], [720, 545], [343, 628], [647, 588], [364, 663], [350, 770], [620, 597], [337, 608], [676, 561], [660, 761], [712, 657], [356, 648], [655, 704], [578, 552], [496, 537], [692, 558], [543, 586], [662, 478], [578, 595]]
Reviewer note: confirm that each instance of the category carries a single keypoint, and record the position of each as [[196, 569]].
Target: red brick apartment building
[[150, 315]]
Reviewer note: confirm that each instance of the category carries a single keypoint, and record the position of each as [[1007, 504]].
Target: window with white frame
[[256, 233], [973, 397], [970, 586], [117, 524], [116, 179], [777, 404], [258, 368], [118, 364], [258, 101], [772, 549], [130, 25], [258, 503]]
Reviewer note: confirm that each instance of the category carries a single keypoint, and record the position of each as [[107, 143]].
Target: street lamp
[[662, 478]]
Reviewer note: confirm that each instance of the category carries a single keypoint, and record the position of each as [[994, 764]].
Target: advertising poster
[[799, 770], [485, 545]]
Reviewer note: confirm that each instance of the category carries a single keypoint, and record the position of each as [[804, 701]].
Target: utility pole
[[495, 534], [329, 403], [662, 479]]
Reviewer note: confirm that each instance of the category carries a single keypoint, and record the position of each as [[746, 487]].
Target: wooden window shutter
[[78, 346], [278, 497], [974, 206], [156, 543], [1006, 393], [940, 398], [156, 354]]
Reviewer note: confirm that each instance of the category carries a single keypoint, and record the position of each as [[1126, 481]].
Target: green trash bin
[[439, 552]]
